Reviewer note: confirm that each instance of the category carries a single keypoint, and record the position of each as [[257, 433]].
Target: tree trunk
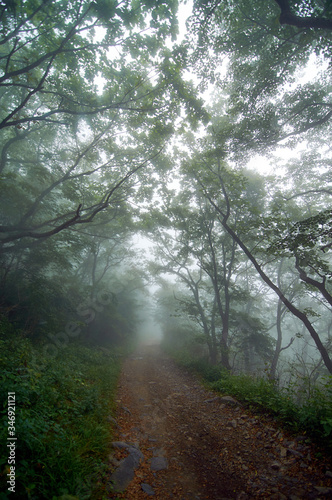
[[273, 369], [293, 309], [224, 354]]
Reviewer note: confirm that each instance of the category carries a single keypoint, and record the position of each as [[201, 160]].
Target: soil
[[203, 445]]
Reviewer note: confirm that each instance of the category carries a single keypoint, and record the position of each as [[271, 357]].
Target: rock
[[275, 465], [323, 490], [124, 474], [158, 463], [111, 419], [212, 400], [114, 461], [233, 423], [328, 473], [120, 444], [229, 400], [136, 454], [283, 452], [132, 450], [295, 453], [147, 489]]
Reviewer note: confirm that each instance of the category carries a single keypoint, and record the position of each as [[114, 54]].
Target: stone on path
[[158, 463], [229, 400], [124, 474], [147, 489]]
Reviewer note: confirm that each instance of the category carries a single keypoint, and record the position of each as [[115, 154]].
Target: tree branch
[[310, 191], [317, 284], [287, 17], [78, 218], [291, 307]]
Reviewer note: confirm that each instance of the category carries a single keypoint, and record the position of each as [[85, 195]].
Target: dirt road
[[194, 444]]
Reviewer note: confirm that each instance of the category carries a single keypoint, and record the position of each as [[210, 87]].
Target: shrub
[[63, 435], [312, 417]]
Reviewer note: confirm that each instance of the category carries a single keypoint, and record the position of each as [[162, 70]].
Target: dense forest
[[151, 171]]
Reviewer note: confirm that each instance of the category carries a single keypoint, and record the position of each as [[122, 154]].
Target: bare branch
[[310, 191]]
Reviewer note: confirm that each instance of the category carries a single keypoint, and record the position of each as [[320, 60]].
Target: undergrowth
[[311, 417], [61, 418]]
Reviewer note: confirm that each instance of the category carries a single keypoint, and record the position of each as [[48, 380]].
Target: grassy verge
[[312, 417], [62, 409]]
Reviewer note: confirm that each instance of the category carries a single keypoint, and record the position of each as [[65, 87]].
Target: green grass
[[62, 405], [311, 417]]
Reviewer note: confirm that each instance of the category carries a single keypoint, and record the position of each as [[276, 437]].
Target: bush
[[313, 417], [62, 405]]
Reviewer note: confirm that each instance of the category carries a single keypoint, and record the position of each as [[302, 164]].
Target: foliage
[[307, 240], [310, 416], [61, 416], [265, 102], [200, 366], [95, 102], [90, 95]]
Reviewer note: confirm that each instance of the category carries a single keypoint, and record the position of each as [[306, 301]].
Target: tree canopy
[[147, 174], [107, 131]]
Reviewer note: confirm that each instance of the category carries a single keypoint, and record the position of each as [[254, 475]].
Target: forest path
[[193, 444]]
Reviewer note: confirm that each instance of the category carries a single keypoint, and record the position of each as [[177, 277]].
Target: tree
[[262, 105], [224, 209], [281, 310], [265, 103], [53, 52], [87, 108], [178, 259], [194, 247], [90, 95]]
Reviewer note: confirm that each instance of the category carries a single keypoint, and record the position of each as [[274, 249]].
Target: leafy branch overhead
[[158, 180], [319, 17], [214, 146], [78, 108]]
